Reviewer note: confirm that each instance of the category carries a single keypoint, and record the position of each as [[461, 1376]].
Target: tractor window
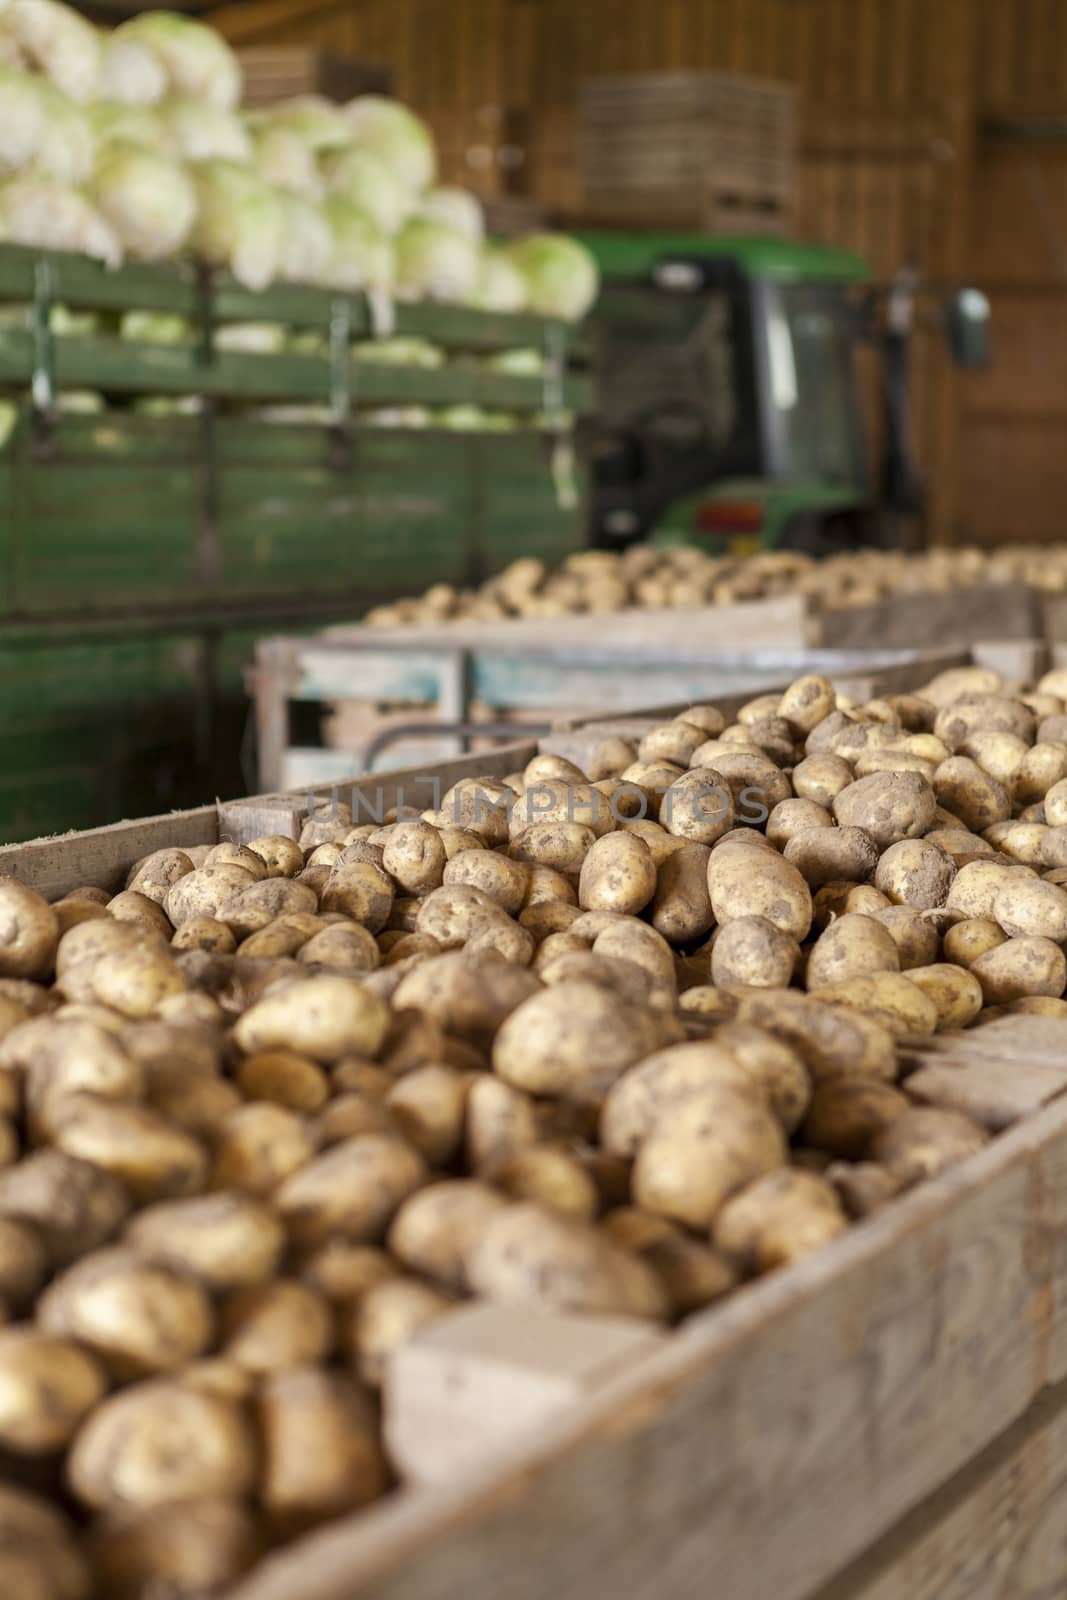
[[667, 365], [813, 400]]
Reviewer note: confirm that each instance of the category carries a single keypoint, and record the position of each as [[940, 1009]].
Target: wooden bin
[[280, 72], [706, 150], [886, 1420]]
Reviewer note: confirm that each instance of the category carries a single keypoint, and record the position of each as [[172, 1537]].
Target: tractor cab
[[728, 409]]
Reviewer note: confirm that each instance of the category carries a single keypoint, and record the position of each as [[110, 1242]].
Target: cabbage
[[400, 353], [307, 342], [51, 216], [198, 62], [307, 241], [456, 209], [79, 402], [321, 416], [239, 222], [395, 134], [521, 363], [149, 200], [362, 256], [69, 324], [252, 338], [283, 158], [317, 123], [156, 327], [57, 42], [396, 417], [167, 405], [9, 416], [435, 262], [112, 122], [461, 418], [199, 132], [561, 274], [364, 180], [22, 120], [66, 147], [131, 72], [501, 286]]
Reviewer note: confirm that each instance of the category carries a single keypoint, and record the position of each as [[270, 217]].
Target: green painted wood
[[84, 284]]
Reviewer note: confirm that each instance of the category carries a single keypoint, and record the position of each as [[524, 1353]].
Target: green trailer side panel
[[417, 500], [519, 508], [96, 728]]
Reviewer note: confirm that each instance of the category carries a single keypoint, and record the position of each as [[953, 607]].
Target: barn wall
[[897, 161]]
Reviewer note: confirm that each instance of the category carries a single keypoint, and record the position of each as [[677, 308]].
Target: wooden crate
[[884, 1421], [279, 72], [701, 149]]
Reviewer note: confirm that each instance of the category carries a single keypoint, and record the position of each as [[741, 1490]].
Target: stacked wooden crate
[[280, 72], [707, 150]]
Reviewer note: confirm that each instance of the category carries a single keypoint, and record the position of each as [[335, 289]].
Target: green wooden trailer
[[141, 555]]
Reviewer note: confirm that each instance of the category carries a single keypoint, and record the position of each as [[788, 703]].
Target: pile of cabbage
[[131, 144]]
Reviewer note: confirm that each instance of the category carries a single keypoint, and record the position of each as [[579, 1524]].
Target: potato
[[436, 1230], [275, 1326], [323, 1017], [647, 1099], [24, 1263], [795, 816], [135, 981], [500, 1122], [39, 1559], [890, 997], [955, 682], [428, 1106], [698, 806], [342, 1271], [681, 905], [150, 1157], [572, 1040], [72, 1206], [821, 778], [551, 1176], [47, 1385], [154, 875], [223, 1240], [1030, 908], [610, 757], [753, 779], [285, 1078], [776, 891], [618, 874], [850, 947], [832, 855], [955, 991], [546, 917], [528, 1255], [61, 1057], [415, 857], [29, 932], [807, 701], [361, 891], [182, 1550], [569, 800], [998, 752], [205, 933], [480, 805], [777, 1219], [965, 941], [139, 1317], [662, 844], [1019, 841], [913, 932], [352, 1189], [890, 806], [976, 886], [345, 948], [386, 1317], [830, 1040], [923, 1142], [751, 952], [847, 1111], [713, 1145], [672, 741], [984, 714], [258, 1146], [915, 873], [1021, 967], [159, 1442], [469, 997], [971, 794], [563, 846], [321, 1455], [282, 856], [203, 892], [708, 717]]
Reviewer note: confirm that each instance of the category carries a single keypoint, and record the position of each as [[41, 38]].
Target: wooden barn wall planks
[[893, 95]]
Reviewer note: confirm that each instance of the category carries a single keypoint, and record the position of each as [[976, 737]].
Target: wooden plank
[[994, 611], [103, 856], [994, 1532], [841, 1394], [995, 1093]]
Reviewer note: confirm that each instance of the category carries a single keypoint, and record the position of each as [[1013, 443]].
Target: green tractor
[[729, 412]]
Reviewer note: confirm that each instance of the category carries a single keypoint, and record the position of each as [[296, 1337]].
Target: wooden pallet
[[884, 1421]]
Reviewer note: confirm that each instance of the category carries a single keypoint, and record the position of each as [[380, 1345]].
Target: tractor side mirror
[[968, 328]]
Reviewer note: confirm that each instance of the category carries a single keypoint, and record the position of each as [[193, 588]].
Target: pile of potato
[[608, 1042], [650, 578]]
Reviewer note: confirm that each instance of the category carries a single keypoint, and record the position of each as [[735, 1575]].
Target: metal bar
[[423, 730]]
